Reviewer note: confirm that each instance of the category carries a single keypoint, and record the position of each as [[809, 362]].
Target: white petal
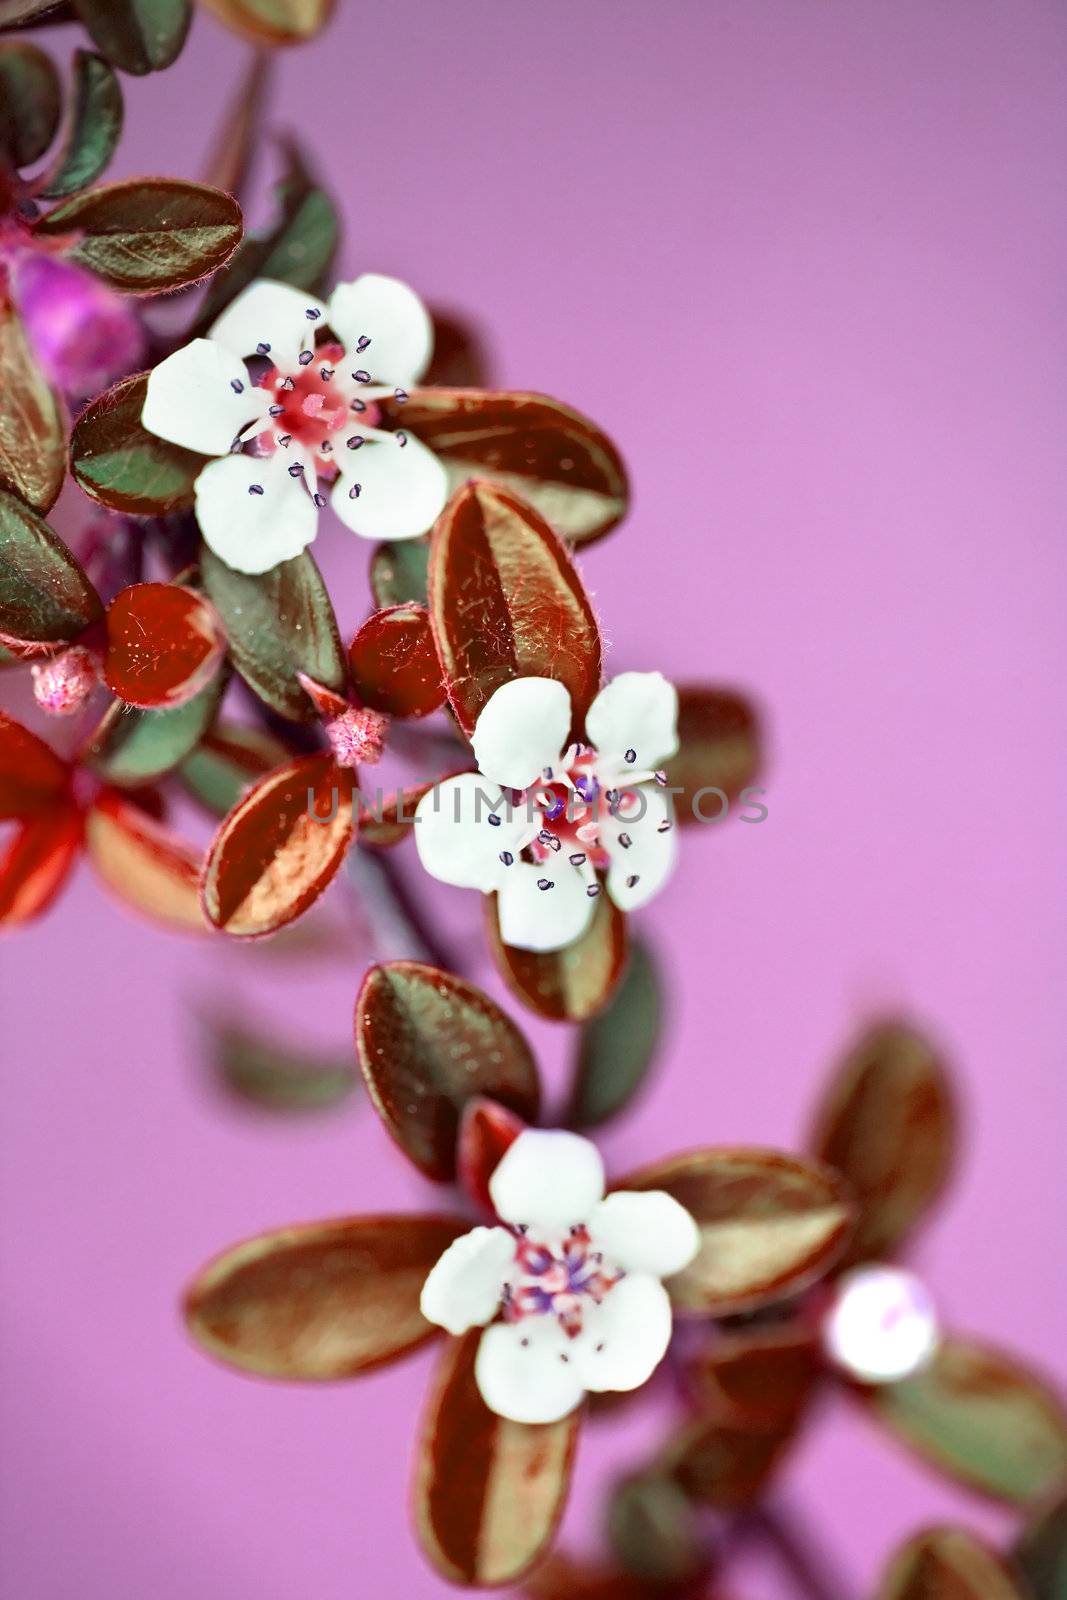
[[624, 1339], [882, 1325], [190, 399], [253, 532], [528, 1370], [392, 317], [640, 868], [636, 711], [532, 918], [402, 489], [457, 842], [269, 313], [548, 1180], [465, 1288], [647, 1232], [522, 731]]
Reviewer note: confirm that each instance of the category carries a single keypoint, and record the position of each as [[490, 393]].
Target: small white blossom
[[882, 1325], [567, 1284]]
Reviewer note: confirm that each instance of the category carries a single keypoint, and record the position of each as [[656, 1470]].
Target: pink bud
[[62, 685], [83, 334], [357, 735]]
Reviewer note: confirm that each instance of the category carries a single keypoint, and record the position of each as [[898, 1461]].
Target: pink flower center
[[572, 805], [316, 408], [558, 1278]]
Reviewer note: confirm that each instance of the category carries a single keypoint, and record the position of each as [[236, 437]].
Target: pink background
[[804, 261]]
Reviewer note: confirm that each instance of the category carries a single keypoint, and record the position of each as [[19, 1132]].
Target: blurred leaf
[[33, 446], [227, 763], [506, 602], [238, 141], [568, 985], [719, 747], [35, 863], [145, 865], [537, 449], [29, 102], [394, 665], [164, 644], [487, 1130], [320, 1301], [561, 1577], [279, 623], [982, 1418], [131, 747], [428, 1043], [32, 777], [123, 466], [278, 1077], [391, 817], [93, 129], [459, 357], [399, 572], [617, 1048], [137, 35], [45, 597], [947, 1564], [274, 21], [147, 235], [770, 1225], [488, 1492], [1041, 1554], [652, 1529], [888, 1124]]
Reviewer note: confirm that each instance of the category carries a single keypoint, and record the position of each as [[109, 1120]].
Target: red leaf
[[164, 644], [948, 1564], [144, 864], [391, 819], [718, 748], [394, 665], [506, 602], [269, 861], [36, 863], [319, 1301], [488, 1492], [486, 1131], [568, 985], [427, 1043], [32, 776]]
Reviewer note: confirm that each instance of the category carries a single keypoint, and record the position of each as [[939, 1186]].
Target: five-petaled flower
[[567, 1285], [558, 814], [284, 392]]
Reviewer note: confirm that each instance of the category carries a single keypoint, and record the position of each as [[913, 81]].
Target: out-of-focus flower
[[83, 334], [557, 814], [574, 1277]]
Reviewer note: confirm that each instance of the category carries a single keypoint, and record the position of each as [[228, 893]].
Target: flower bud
[[62, 685]]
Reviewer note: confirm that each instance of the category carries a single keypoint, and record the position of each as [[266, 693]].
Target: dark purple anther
[[263, 349], [353, 493], [237, 386], [577, 860], [255, 488], [631, 881], [361, 375], [507, 858], [325, 373], [545, 883], [355, 441], [362, 342], [296, 469], [555, 808], [593, 890], [320, 500], [400, 396], [285, 439], [401, 438], [313, 313], [625, 840], [306, 357], [494, 821], [276, 411]]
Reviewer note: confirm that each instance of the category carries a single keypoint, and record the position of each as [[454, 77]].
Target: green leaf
[[45, 597], [29, 102], [653, 1530], [132, 747], [982, 1418], [279, 623], [93, 130], [568, 985], [137, 35], [32, 436], [121, 464], [274, 22], [399, 572], [1041, 1553], [147, 235], [948, 1564], [277, 1077], [227, 763], [299, 249], [616, 1048]]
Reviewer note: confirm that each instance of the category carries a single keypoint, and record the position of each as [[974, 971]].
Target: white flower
[[882, 1325], [575, 1277], [305, 414], [539, 820]]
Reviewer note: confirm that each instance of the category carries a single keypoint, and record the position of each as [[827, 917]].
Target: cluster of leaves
[[142, 36]]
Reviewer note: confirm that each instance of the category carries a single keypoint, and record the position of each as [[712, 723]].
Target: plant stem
[[813, 1572]]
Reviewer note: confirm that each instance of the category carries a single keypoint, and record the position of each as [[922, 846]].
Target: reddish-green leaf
[[561, 1577], [32, 435], [770, 1225], [653, 1530], [428, 1043], [488, 1492], [147, 235], [36, 862], [274, 21], [617, 1048], [506, 602], [137, 35], [164, 644], [487, 1130], [394, 665], [259, 1070], [93, 130], [279, 847], [145, 865], [121, 464], [948, 1564], [279, 624], [387, 819], [320, 1301], [45, 597], [568, 985], [226, 764], [554, 458], [399, 572], [1041, 1553], [32, 777], [131, 747], [719, 748], [459, 357], [983, 1418], [888, 1124], [29, 102]]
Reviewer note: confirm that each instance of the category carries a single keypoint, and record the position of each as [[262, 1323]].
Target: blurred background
[[804, 262]]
